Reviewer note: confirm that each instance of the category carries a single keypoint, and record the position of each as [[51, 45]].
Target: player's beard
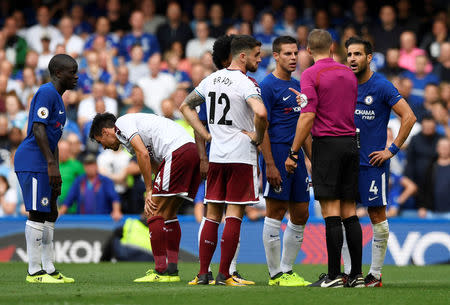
[[251, 68], [362, 70]]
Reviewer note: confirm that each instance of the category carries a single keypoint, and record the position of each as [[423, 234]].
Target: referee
[[328, 101]]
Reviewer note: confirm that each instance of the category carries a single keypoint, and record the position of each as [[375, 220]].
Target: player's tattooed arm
[[191, 116], [193, 100]]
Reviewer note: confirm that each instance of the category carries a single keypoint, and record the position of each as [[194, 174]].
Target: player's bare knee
[[377, 214], [299, 212], [276, 214], [300, 218]]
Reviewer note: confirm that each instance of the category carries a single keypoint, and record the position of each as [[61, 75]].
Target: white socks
[[272, 244], [33, 235], [292, 242], [379, 246], [346, 254], [48, 256]]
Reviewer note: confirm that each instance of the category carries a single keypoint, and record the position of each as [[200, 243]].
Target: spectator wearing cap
[[42, 29], [93, 193], [149, 43]]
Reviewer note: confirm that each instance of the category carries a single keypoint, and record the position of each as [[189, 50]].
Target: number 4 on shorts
[[373, 188]]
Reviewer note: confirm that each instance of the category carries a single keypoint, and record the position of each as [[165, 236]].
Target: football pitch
[[108, 283]]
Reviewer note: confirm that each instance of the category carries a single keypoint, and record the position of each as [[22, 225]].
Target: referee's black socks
[[353, 233], [334, 238]]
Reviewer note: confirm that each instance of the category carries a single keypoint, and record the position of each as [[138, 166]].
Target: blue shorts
[[294, 188], [36, 191], [200, 197], [373, 185]]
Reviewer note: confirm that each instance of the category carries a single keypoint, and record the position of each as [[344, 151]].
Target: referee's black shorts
[[335, 167]]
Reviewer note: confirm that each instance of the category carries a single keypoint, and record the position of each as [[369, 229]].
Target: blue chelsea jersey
[[376, 97], [47, 107], [282, 108]]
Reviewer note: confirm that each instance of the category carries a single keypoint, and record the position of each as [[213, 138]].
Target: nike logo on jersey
[[274, 235], [285, 98], [373, 198], [61, 112]]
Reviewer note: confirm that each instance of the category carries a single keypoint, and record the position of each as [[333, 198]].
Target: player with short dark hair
[[222, 51], [283, 192], [37, 167], [328, 101], [166, 148], [222, 59], [237, 120], [376, 97]]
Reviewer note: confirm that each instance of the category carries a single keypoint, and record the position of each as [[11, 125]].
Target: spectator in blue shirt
[[267, 36], [93, 193], [419, 79], [123, 84], [173, 60], [102, 28], [92, 73], [137, 35]]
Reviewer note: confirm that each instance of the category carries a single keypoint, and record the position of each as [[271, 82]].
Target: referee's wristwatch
[[293, 155]]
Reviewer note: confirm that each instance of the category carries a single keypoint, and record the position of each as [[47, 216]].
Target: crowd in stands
[[147, 55]]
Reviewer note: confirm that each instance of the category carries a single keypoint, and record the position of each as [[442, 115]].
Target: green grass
[[108, 283]]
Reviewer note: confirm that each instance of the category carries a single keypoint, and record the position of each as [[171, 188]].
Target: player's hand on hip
[[204, 166], [377, 158], [297, 95], [150, 205], [253, 137], [273, 175], [290, 165]]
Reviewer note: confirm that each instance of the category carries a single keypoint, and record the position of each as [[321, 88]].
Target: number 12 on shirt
[[212, 111]]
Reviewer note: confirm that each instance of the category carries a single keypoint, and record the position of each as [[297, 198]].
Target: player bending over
[[156, 142]]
